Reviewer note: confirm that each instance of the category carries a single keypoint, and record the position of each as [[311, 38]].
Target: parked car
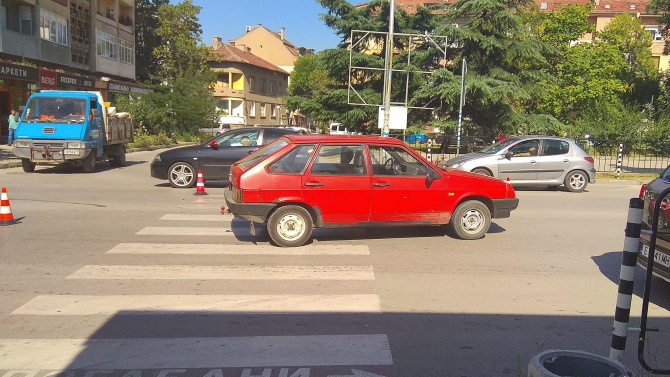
[[214, 157], [218, 130], [532, 161], [650, 193], [414, 139], [300, 182]]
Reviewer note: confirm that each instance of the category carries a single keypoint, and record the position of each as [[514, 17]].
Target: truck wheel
[[89, 163], [181, 175], [119, 159], [28, 166], [471, 220], [290, 226]]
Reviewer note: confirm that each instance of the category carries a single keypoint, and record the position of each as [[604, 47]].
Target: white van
[[338, 129]]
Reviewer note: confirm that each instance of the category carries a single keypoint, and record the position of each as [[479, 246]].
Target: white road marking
[[257, 351], [188, 304], [191, 217], [313, 249], [224, 272], [192, 231]]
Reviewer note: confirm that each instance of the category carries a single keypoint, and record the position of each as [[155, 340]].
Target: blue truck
[[71, 127]]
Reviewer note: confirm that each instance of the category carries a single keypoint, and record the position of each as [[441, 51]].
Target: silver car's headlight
[[456, 166], [21, 144]]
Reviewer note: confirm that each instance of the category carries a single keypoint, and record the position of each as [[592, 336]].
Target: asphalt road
[[115, 273]]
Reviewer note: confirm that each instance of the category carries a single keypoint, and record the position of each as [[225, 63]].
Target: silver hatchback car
[[532, 161]]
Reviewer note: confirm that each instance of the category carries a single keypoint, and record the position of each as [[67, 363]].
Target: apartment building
[[270, 46], [65, 44], [248, 89], [605, 10]]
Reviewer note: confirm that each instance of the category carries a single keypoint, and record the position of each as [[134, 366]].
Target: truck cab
[[70, 127]]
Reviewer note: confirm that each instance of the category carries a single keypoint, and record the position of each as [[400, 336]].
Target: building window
[[262, 85], [252, 83], [262, 110], [273, 111], [126, 51], [106, 45], [110, 12], [53, 27], [252, 109], [656, 34], [273, 88]]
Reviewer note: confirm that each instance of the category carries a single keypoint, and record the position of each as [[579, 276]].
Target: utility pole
[[387, 72], [464, 71]]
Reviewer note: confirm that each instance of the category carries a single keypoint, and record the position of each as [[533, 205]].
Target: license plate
[[661, 258], [72, 151]]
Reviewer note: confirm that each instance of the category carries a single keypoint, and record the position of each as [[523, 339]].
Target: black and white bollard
[[619, 161], [429, 154], [631, 246]]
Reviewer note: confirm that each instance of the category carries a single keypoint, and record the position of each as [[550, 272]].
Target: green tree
[[182, 100], [505, 69], [308, 76], [634, 44], [561, 27], [146, 40], [181, 47]]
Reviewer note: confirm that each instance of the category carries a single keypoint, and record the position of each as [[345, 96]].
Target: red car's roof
[[324, 138]]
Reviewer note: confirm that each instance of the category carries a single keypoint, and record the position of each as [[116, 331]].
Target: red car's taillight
[[642, 191], [589, 159]]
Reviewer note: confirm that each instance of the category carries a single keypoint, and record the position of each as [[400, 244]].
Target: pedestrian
[[13, 124]]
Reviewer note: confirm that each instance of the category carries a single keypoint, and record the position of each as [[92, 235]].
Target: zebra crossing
[[279, 353]]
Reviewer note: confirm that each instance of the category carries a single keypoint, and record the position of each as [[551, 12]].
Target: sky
[[300, 18]]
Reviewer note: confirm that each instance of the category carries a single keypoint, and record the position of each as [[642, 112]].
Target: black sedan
[[180, 165]]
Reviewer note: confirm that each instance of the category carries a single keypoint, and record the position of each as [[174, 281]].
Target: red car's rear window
[[261, 154]]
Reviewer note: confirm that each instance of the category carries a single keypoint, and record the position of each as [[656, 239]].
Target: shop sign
[[125, 88], [47, 79], [78, 81], [18, 72]]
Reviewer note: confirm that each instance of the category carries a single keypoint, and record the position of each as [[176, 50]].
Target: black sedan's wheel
[[290, 226], [576, 181], [471, 220], [482, 171], [181, 175]]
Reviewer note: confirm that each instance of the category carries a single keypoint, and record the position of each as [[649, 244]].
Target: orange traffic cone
[[6, 217], [200, 185]]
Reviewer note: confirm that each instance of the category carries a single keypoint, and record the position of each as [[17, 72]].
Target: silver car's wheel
[[181, 175], [471, 220], [290, 226], [576, 181]]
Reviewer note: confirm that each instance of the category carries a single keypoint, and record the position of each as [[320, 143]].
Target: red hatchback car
[[300, 182]]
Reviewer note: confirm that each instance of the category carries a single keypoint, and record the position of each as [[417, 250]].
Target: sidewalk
[[7, 158]]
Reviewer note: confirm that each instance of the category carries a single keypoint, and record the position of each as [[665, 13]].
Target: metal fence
[[636, 156]]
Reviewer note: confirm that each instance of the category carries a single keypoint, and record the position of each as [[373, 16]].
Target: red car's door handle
[[381, 184], [313, 184]]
